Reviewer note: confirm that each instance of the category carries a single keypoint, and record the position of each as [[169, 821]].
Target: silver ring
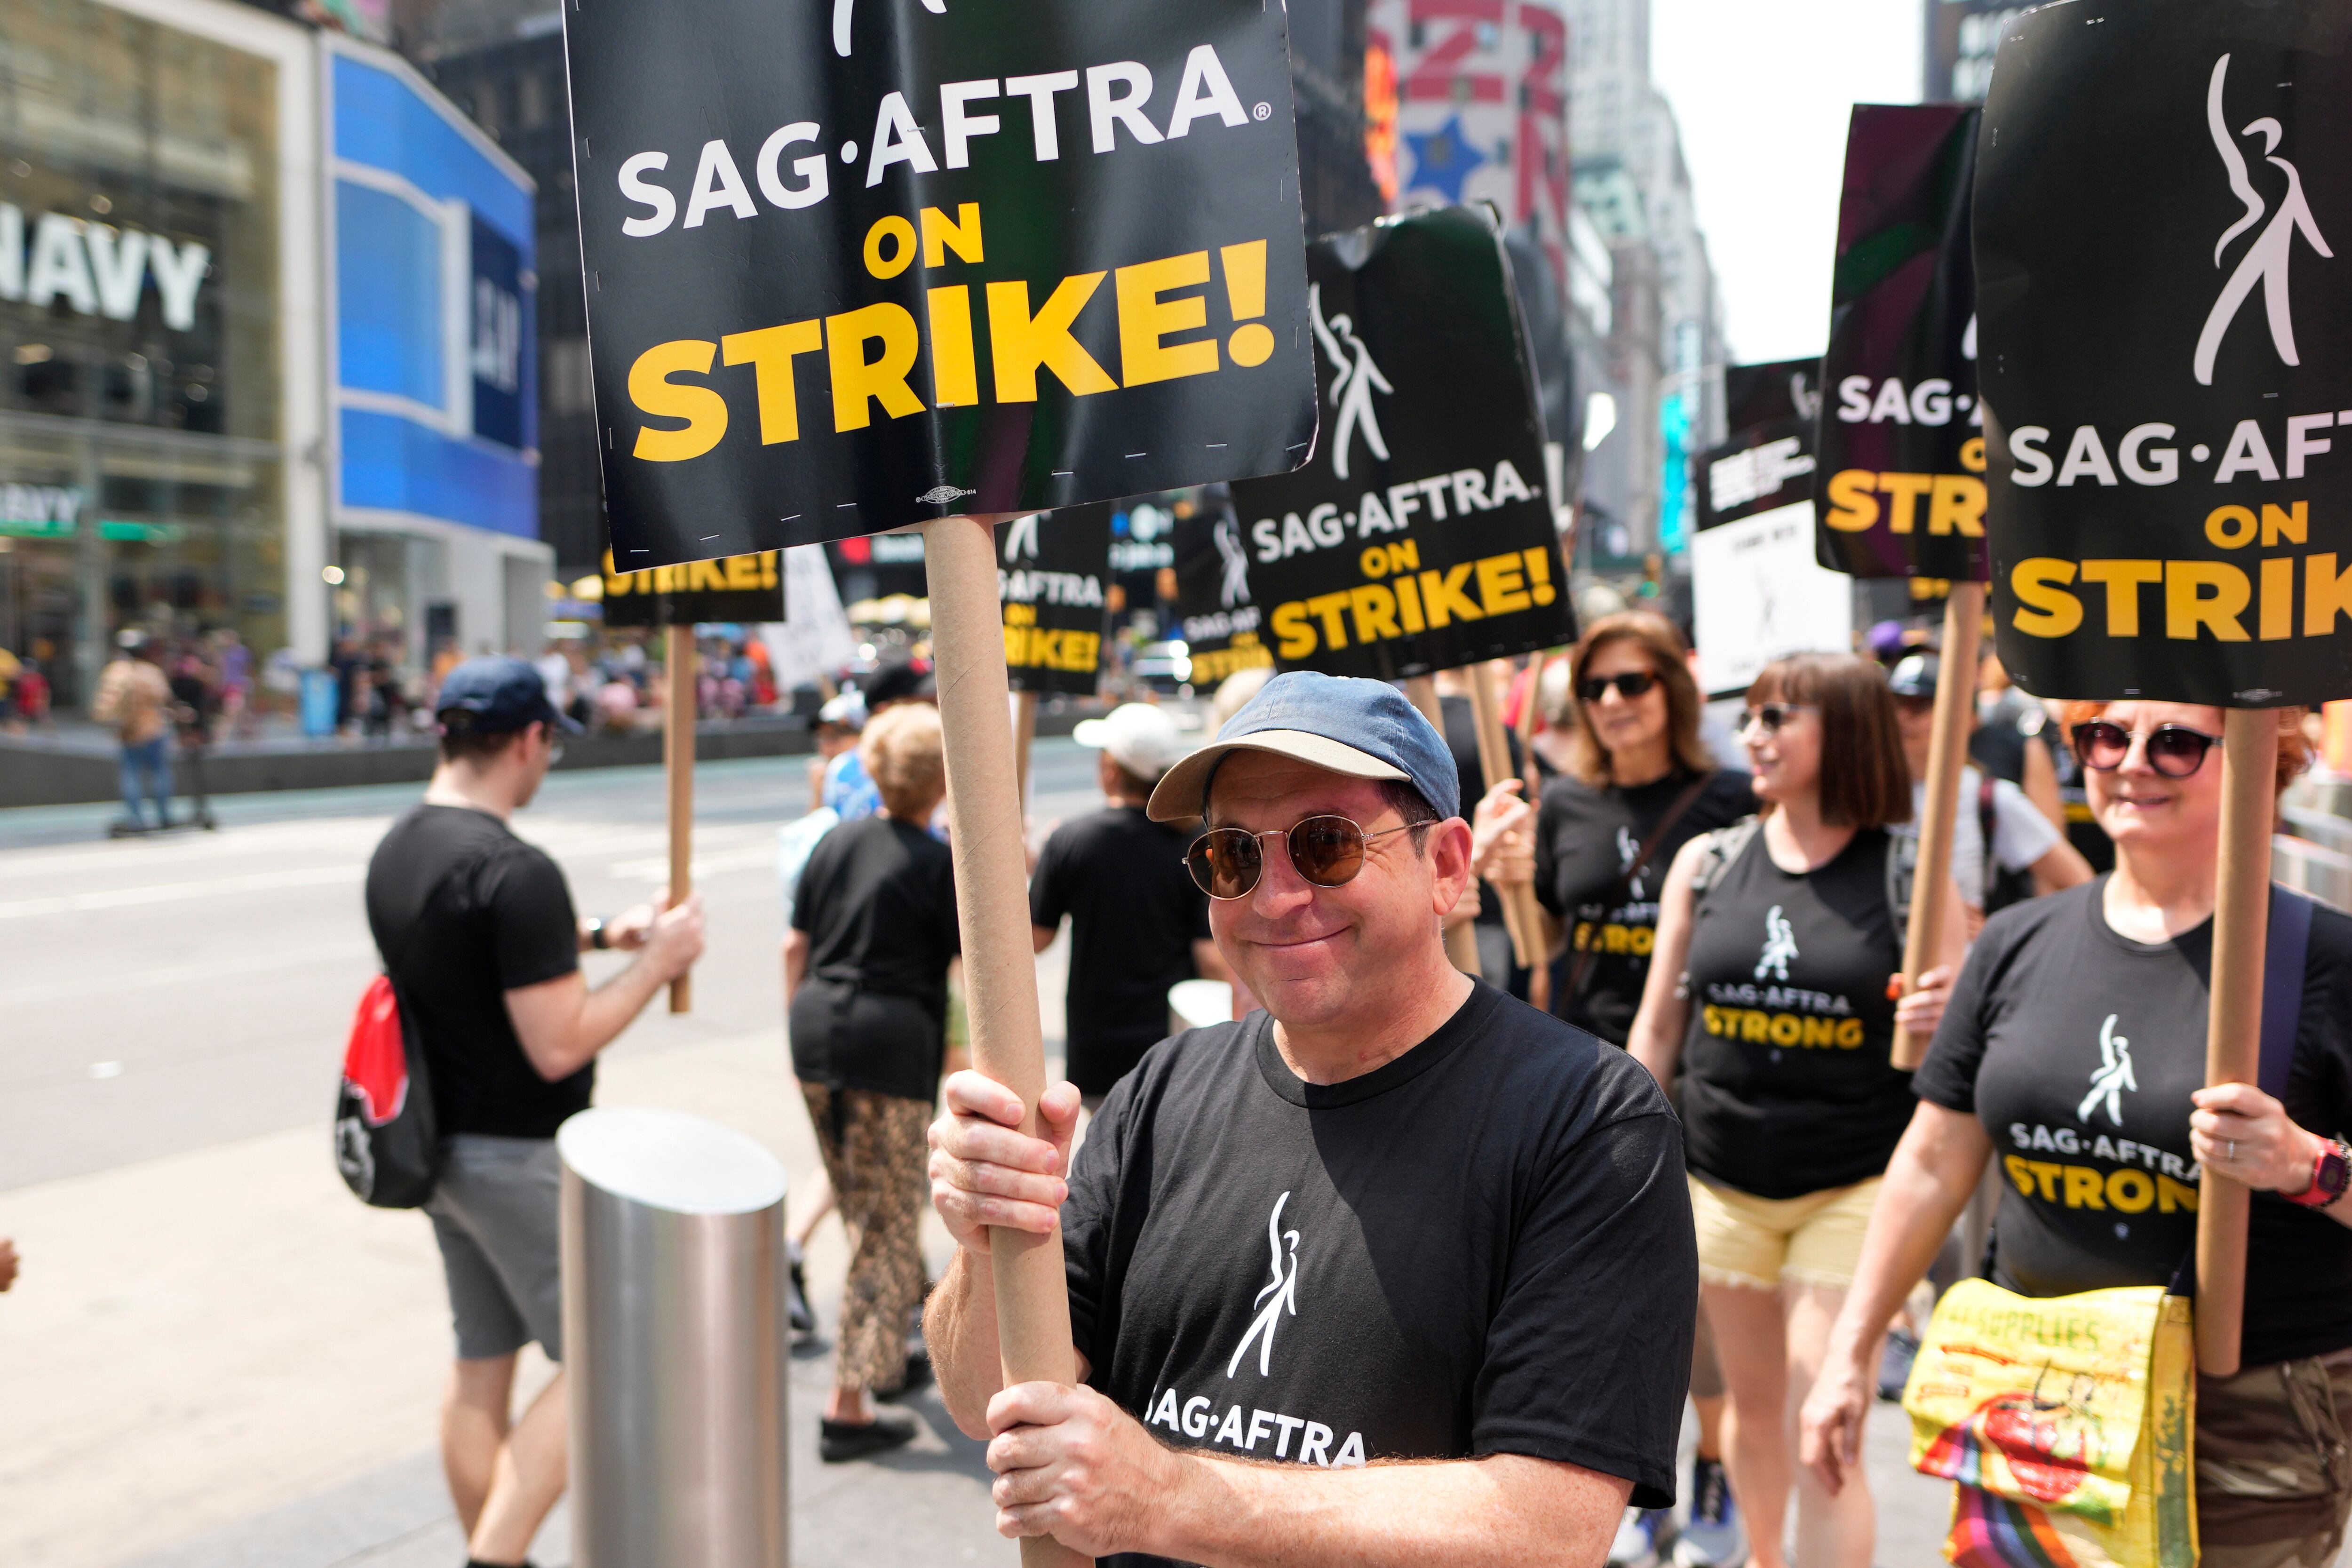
[[2231, 1155]]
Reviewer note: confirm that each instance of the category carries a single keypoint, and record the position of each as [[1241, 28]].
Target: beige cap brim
[[1180, 792]]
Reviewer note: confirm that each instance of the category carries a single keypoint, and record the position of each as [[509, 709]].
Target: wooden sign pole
[[1000, 973], [677, 774], [1024, 735], [1462, 941], [1521, 914], [1956, 697], [2233, 1040]]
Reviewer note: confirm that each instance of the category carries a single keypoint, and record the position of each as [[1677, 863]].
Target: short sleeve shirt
[[1482, 1247], [2020, 834], [878, 903]]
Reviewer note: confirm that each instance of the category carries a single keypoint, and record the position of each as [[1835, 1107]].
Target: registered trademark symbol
[[1262, 111]]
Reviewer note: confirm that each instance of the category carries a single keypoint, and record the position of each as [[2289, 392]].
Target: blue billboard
[[433, 300]]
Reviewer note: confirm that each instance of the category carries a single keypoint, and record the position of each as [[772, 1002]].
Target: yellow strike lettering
[[2045, 609], [669, 579], [1374, 608], [2019, 1173], [1854, 499], [2084, 1188], [769, 351], [651, 389], [2278, 523], [767, 569], [1330, 606], [901, 236], [2046, 1173], [961, 236], [1022, 343], [1405, 555], [1289, 624], [705, 577], [1145, 320], [2123, 580], [2130, 1190], [955, 380], [2230, 527], [1444, 600], [743, 573], [1958, 502], [2172, 1195], [2278, 598], [1408, 597], [2324, 593], [2187, 605], [856, 379], [1906, 490], [1502, 585]]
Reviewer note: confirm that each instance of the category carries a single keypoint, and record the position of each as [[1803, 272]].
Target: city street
[[215, 1357]]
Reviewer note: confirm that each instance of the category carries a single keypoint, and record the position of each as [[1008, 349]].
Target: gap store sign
[[433, 297]]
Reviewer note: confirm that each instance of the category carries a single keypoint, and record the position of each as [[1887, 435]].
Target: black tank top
[[1786, 1084]]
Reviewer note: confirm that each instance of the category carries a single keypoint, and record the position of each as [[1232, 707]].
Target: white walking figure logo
[[1626, 852], [1280, 1295], [1780, 944], [1021, 539], [2111, 1076], [841, 22], [1353, 377], [2266, 259], [1234, 587]]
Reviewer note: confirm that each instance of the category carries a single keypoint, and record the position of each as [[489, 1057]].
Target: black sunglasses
[[2176, 751], [1769, 716], [1226, 862], [1632, 684]]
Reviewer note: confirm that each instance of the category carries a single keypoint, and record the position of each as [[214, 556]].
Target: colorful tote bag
[[2065, 1424]]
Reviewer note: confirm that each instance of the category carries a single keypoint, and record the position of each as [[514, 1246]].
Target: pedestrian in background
[[865, 987], [1138, 923], [1768, 986], [133, 698], [479, 929]]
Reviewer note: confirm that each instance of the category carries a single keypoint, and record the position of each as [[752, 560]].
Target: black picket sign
[[854, 265], [1901, 448], [1051, 571], [741, 589], [1759, 468], [1217, 617], [2164, 263], [1765, 393], [1419, 537]]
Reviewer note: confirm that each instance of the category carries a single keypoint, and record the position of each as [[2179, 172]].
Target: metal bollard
[[677, 1342]]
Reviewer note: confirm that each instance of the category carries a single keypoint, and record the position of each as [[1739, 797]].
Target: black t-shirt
[[1134, 917], [1787, 1085], [1482, 1247], [2078, 1048], [877, 902], [463, 912], [1586, 838]]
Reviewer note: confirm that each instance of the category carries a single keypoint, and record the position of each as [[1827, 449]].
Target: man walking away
[[478, 927], [1137, 925], [132, 697]]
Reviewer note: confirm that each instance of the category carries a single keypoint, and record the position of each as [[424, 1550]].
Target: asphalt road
[[215, 1359]]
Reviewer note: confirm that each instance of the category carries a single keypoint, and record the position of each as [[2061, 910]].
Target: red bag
[[386, 1145]]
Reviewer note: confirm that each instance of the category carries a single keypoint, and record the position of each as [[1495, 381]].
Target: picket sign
[[1461, 941]]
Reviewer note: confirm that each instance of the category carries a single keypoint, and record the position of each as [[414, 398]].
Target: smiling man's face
[[1317, 956]]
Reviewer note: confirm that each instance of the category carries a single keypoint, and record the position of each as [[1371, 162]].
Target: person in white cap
[[1137, 925]]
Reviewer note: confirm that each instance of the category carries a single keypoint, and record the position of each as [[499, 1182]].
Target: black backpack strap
[[1724, 847], [1987, 827], [1901, 882]]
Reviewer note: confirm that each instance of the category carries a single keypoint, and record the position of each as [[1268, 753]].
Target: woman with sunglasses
[[2074, 1049], [1770, 989]]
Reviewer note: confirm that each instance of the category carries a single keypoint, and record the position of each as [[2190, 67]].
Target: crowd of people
[[1392, 1209]]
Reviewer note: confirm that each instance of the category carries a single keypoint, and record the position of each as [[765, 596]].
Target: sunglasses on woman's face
[[2176, 751], [1632, 683], [1769, 717], [1226, 862]]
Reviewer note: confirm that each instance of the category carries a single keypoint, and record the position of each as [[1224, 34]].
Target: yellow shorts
[[1815, 1240]]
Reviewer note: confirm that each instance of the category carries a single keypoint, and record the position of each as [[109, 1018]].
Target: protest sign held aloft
[[851, 266], [1051, 568], [1756, 395], [1419, 536], [2164, 248], [745, 589], [1217, 618], [1901, 445], [1758, 593]]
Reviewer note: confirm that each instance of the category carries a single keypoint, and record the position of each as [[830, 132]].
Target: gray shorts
[[494, 1212]]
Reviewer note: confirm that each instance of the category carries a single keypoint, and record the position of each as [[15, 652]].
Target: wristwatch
[[600, 942], [2331, 1173]]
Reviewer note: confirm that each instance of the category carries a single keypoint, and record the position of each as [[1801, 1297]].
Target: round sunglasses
[[2176, 751], [1632, 683], [1327, 851], [1769, 716]]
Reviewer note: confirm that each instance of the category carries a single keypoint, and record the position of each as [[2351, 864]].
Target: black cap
[[1913, 675], [898, 681], [495, 695]]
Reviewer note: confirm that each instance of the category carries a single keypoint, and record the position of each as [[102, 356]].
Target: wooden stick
[[1956, 697], [1000, 973], [1522, 916], [1024, 735], [1461, 941], [677, 774], [2234, 1039]]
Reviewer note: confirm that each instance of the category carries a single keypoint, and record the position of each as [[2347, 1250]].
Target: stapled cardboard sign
[[1901, 445], [745, 589], [1419, 536], [2164, 263], [1052, 569], [852, 265]]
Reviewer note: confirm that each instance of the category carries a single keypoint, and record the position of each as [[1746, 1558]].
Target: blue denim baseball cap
[[495, 695], [1359, 729]]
